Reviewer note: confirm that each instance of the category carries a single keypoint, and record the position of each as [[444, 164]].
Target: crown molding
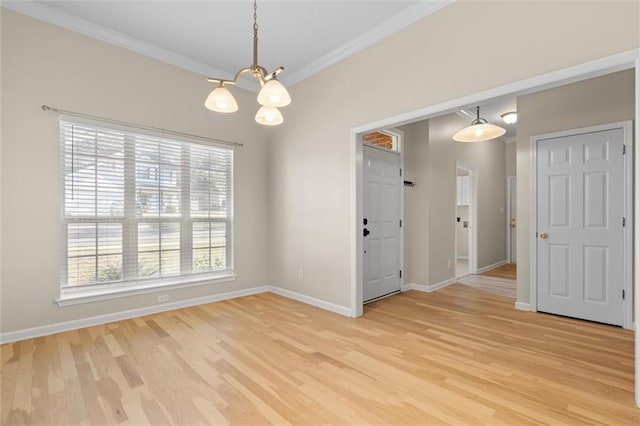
[[392, 25], [73, 23]]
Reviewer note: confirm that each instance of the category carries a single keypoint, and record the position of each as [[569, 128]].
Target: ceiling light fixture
[[479, 130], [272, 95], [509, 117]]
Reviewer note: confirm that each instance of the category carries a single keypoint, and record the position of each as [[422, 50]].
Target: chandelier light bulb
[[479, 130], [274, 94], [221, 100], [269, 116]]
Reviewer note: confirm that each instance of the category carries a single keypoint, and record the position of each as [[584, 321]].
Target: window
[[142, 211], [382, 140]]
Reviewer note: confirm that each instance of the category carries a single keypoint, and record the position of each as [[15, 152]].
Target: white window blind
[[139, 208]]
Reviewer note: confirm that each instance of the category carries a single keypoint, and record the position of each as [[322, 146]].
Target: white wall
[[42, 64], [427, 63], [601, 100]]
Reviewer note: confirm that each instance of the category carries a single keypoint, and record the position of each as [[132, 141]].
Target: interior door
[[513, 190], [580, 225], [381, 223]]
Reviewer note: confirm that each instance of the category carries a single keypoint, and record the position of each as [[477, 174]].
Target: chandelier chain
[[255, 16]]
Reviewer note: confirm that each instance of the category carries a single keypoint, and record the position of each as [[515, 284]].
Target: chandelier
[[272, 95]]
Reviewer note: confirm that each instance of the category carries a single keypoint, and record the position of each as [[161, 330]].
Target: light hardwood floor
[[500, 281], [457, 356]]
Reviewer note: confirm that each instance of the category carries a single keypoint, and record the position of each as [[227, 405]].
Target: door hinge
[[624, 222], [624, 149], [400, 223], [400, 172], [623, 295], [400, 274]]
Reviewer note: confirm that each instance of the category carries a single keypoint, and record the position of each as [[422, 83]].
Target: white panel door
[[382, 223], [580, 231]]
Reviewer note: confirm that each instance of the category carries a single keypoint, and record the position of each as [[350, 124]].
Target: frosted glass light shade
[[274, 94], [269, 116], [221, 100], [479, 132], [510, 117]]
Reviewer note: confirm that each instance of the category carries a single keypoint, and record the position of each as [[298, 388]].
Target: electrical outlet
[[163, 298], [448, 264], [300, 274]]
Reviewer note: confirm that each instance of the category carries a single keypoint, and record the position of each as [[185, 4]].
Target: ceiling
[[214, 38]]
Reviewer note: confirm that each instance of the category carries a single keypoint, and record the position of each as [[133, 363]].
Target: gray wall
[[511, 158], [601, 100], [430, 206]]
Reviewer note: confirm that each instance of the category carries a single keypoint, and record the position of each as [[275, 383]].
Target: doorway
[[512, 219], [582, 218], [466, 250], [463, 222]]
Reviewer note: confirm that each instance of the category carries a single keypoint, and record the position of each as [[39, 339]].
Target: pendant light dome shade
[[269, 116], [479, 130], [274, 94], [221, 100]]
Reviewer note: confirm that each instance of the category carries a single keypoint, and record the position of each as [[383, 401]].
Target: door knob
[[544, 235], [366, 232]]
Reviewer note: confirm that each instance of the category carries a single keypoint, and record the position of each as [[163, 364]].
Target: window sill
[[70, 297]]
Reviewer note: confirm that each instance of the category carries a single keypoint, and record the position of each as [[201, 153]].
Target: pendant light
[[272, 95], [479, 130]]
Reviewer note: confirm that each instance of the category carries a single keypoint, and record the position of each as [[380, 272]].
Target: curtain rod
[[155, 129]]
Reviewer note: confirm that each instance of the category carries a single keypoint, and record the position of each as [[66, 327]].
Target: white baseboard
[[45, 330], [342, 310], [490, 267], [521, 306], [428, 288]]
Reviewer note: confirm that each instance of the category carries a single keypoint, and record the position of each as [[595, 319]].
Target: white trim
[[521, 306], [462, 257], [510, 182], [327, 306], [392, 25], [71, 297], [627, 284], [492, 266], [45, 330], [429, 288], [636, 239]]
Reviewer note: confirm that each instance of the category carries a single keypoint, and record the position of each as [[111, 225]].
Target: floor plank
[[457, 356], [500, 281]]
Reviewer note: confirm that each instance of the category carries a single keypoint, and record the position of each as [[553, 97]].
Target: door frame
[[399, 135], [629, 59], [512, 181], [627, 285], [473, 217]]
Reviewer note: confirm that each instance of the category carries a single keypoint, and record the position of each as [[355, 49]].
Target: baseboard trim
[[490, 267], [327, 306], [521, 306], [60, 327], [428, 288]]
